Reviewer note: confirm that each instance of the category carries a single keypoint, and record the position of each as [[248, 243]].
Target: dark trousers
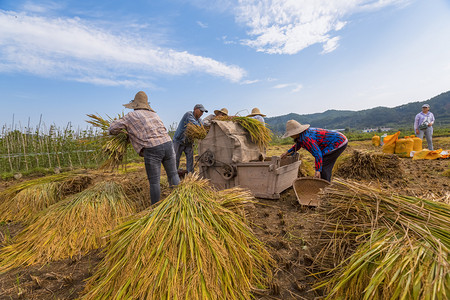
[[153, 158], [189, 151], [328, 161]]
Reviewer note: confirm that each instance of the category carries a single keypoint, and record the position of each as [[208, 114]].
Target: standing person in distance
[[423, 125], [256, 114], [325, 145], [217, 113], [181, 143], [150, 139]]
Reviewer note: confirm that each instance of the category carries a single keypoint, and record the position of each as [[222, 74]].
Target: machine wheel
[[208, 158], [227, 171]]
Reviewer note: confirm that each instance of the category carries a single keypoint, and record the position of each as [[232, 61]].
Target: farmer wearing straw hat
[[150, 139], [256, 114], [181, 143], [325, 145], [217, 113]]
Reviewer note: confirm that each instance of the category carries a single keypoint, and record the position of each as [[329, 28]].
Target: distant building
[[377, 129]]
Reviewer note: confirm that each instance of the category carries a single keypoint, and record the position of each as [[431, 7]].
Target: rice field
[[50, 149], [284, 234]]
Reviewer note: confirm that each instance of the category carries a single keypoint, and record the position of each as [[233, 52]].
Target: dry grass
[[23, 201], [114, 147], [260, 134], [365, 164], [195, 132], [69, 228], [193, 245], [377, 245]]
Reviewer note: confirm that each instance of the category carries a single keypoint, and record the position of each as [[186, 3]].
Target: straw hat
[[293, 127], [256, 112], [223, 110], [140, 101]]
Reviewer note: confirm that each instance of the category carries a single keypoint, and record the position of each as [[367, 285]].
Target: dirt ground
[[284, 225]]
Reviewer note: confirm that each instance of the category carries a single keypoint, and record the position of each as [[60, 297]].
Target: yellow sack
[[417, 144], [389, 143], [427, 154], [403, 147], [376, 140]]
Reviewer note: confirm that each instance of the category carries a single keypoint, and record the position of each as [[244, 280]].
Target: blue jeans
[[187, 149], [153, 158], [428, 135]]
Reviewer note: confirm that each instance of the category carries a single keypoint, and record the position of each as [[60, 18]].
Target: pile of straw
[[383, 246], [193, 245], [23, 201], [195, 132], [363, 164], [260, 134], [70, 227], [114, 147]]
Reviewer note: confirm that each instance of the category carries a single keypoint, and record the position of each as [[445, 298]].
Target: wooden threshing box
[[229, 158]]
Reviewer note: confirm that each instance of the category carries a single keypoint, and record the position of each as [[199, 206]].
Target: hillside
[[397, 117]]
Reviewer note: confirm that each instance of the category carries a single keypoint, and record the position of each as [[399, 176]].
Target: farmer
[[180, 143], [217, 113], [150, 139], [423, 124], [325, 145], [256, 114]]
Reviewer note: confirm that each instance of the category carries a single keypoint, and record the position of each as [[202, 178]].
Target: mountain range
[[399, 117]]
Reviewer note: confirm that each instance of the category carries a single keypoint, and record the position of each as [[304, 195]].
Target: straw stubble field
[[287, 229]]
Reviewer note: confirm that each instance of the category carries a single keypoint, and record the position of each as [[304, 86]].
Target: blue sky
[[65, 59]]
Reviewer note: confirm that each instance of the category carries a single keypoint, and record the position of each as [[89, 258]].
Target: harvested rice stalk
[[259, 132], [114, 147], [70, 227], [13, 190], [189, 247], [378, 245], [370, 165], [21, 202], [195, 132]]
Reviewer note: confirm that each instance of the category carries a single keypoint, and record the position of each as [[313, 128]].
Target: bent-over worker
[[150, 139], [325, 145]]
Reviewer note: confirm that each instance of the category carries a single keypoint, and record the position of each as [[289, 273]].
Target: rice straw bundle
[[70, 227], [21, 202], [13, 190], [370, 165], [195, 132], [259, 132], [189, 247], [383, 246], [114, 147]]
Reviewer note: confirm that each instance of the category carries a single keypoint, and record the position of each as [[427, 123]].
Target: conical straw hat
[[256, 112], [223, 110], [293, 127], [140, 101]]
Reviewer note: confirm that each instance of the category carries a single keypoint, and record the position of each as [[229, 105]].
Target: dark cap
[[201, 107]]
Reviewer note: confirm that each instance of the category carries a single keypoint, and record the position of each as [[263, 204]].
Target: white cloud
[[330, 45], [289, 26], [74, 50], [296, 87], [42, 7], [281, 86], [250, 81], [202, 25]]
